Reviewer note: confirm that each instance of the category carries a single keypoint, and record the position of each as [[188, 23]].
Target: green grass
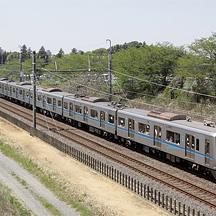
[[22, 181], [50, 180], [51, 208], [9, 205]]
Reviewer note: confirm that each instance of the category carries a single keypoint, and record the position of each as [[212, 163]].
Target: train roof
[[3, 79], [94, 99], [23, 83], [51, 90]]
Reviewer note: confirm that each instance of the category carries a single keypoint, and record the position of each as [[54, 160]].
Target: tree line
[[161, 68]]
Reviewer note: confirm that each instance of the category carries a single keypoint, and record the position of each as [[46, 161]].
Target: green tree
[[74, 51], [42, 53], [148, 63], [60, 53], [198, 67], [24, 53], [205, 48]]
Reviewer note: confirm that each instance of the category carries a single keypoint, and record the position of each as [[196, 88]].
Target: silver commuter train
[[170, 135]]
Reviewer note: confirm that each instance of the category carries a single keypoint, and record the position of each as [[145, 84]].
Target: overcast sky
[[86, 24]]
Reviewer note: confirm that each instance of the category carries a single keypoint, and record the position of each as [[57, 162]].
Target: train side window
[[207, 147], [39, 97], [65, 105], [14, 91], [85, 110], [78, 109], [71, 107], [173, 137], [59, 103], [94, 113], [111, 119], [193, 143], [121, 122], [27, 94], [49, 100], [197, 144], [102, 115], [20, 92], [131, 124], [144, 128]]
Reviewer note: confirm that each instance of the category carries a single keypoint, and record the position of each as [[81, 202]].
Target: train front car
[[171, 136]]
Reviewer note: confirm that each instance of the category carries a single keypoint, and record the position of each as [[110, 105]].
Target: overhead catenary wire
[[177, 100], [163, 67], [158, 84]]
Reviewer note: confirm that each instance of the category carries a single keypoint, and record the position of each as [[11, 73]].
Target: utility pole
[[21, 75], [34, 88], [20, 58], [110, 72]]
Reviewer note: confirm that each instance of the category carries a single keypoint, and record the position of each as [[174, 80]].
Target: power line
[[157, 84], [165, 67]]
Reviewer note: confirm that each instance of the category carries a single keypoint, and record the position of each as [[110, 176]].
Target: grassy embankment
[[52, 181]]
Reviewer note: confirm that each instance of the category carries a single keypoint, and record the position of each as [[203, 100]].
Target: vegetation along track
[[195, 192]]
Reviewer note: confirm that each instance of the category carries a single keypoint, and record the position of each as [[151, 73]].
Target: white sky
[[86, 24]]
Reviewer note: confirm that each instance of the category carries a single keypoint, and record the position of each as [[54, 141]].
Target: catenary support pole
[[110, 72], [21, 73], [34, 88]]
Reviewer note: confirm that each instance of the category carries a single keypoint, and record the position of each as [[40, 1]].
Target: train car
[[93, 112], [21, 92], [50, 100], [173, 135], [16, 91]]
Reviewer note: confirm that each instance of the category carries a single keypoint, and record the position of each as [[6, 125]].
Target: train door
[[17, 92], [102, 119], [207, 151], [130, 128], [70, 109], [23, 94], [10, 90], [6, 89], [157, 136], [44, 100], [54, 104], [189, 146], [85, 115]]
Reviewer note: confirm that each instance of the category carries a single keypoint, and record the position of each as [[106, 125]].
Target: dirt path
[[98, 188], [12, 175]]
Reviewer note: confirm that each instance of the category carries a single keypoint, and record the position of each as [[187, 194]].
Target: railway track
[[189, 189]]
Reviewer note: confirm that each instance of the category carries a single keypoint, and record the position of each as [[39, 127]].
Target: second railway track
[[185, 187]]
